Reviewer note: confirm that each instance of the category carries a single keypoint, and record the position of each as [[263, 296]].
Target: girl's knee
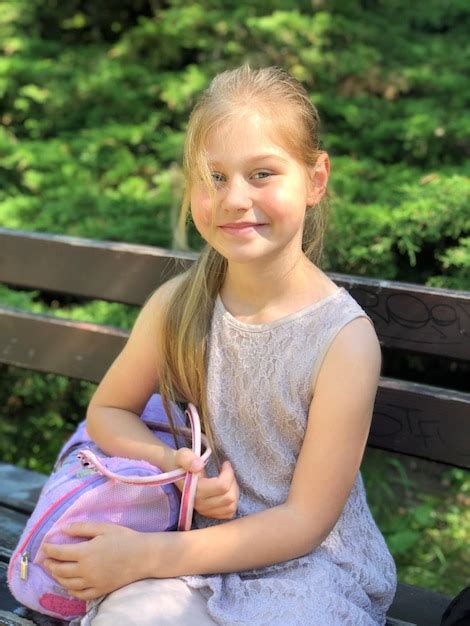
[[154, 602]]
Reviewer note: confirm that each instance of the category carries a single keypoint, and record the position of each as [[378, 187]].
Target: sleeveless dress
[[259, 391]]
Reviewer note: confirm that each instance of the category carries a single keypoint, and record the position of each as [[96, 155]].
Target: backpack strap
[[188, 494]]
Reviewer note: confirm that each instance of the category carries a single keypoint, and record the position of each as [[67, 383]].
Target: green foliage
[[44, 409], [95, 98], [426, 529], [410, 238]]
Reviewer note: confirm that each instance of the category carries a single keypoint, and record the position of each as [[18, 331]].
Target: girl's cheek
[[202, 215]]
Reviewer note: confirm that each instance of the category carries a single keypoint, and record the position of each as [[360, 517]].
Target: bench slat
[[114, 271], [11, 527], [19, 488], [47, 344], [410, 317], [413, 317], [418, 606], [421, 420], [7, 601]]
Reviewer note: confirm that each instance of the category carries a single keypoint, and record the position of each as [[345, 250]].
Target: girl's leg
[[154, 602]]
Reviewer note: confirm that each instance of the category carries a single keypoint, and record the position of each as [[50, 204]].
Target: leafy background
[[94, 98]]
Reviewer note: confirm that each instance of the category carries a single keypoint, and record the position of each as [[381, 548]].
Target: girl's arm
[[337, 430], [113, 413]]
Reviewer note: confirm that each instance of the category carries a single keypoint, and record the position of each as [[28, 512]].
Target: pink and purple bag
[[87, 485]]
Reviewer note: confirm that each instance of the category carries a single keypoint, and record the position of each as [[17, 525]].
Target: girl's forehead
[[244, 137]]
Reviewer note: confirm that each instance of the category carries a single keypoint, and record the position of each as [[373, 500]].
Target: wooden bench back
[[416, 419]]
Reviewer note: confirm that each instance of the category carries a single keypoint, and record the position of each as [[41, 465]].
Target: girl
[[283, 366]]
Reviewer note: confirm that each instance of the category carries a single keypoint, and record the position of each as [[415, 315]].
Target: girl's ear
[[318, 179]]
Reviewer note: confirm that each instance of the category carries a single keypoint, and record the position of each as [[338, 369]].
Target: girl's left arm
[[336, 434], [338, 426]]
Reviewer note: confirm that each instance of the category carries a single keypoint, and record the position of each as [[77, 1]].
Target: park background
[[94, 99]]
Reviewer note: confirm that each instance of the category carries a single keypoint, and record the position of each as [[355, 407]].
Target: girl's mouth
[[241, 228]]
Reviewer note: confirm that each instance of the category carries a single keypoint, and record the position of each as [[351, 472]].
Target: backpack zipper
[[24, 566], [27, 552]]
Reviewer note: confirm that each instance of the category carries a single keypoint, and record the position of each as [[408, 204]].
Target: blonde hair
[[284, 102]]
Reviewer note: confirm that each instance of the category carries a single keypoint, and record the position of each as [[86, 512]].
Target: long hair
[[283, 101]]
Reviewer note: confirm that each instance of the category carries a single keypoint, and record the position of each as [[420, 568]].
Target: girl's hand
[[112, 557], [215, 497]]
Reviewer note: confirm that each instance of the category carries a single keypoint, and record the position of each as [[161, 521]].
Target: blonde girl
[[283, 366]]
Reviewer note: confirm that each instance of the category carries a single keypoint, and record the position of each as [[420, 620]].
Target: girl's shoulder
[[148, 327], [158, 301]]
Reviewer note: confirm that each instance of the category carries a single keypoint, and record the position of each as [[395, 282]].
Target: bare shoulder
[[152, 313], [161, 297], [354, 357], [356, 338]]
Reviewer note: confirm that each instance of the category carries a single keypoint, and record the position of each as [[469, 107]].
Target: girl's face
[[261, 193]]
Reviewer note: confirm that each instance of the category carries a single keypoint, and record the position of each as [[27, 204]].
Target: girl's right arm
[[113, 413]]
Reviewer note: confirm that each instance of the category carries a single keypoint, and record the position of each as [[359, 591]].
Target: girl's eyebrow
[[257, 157]]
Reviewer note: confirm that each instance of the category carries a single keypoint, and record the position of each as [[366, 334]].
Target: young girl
[[283, 366]]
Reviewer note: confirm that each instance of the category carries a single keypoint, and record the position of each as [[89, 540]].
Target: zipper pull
[[24, 566]]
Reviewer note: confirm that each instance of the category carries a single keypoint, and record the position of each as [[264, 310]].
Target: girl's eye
[[217, 177], [262, 174]]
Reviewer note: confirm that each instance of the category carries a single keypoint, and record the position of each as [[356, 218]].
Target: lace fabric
[[259, 392]]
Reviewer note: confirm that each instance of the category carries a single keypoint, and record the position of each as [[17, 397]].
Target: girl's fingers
[[61, 552], [222, 513], [189, 461], [218, 497], [219, 485], [218, 502], [86, 529], [71, 584], [62, 569], [86, 594]]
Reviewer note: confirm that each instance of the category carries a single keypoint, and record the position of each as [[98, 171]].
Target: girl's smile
[[241, 229]]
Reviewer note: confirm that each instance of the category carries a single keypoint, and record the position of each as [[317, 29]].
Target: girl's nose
[[236, 195]]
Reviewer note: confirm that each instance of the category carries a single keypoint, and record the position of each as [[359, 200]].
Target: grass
[[423, 510]]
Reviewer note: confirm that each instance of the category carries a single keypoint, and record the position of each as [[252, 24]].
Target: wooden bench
[[411, 418]]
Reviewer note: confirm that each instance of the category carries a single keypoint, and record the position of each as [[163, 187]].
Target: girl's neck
[[262, 294]]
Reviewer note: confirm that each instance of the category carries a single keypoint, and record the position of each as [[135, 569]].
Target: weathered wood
[[7, 601], [419, 606], [19, 488], [11, 527], [423, 421], [413, 317], [106, 270], [410, 317], [49, 344]]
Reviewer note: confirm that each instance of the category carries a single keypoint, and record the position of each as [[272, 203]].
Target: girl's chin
[[245, 254]]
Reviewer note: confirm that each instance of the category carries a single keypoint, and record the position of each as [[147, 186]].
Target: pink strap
[[188, 493]]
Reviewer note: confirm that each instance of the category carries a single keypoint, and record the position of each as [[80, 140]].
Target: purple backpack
[[87, 485]]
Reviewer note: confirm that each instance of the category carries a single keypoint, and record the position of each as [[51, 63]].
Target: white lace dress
[[259, 391]]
